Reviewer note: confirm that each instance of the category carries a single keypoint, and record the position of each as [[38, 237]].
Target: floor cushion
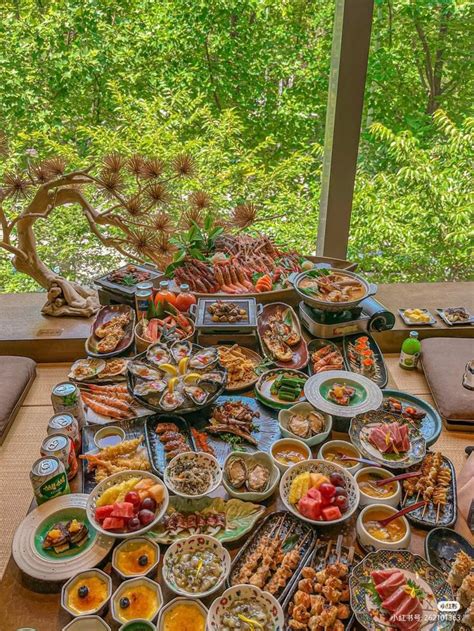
[[16, 376], [444, 360]]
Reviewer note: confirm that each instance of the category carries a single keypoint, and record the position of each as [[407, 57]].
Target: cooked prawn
[[115, 388], [105, 410], [110, 401]]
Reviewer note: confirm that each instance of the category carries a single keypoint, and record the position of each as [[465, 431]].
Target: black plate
[[156, 450], [127, 290], [381, 376], [132, 428], [442, 545], [318, 562], [268, 429], [315, 345], [290, 524], [447, 517]]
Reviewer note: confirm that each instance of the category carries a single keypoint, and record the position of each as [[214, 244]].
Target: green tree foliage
[[242, 84]]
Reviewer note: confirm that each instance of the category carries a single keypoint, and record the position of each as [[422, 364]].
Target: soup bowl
[[283, 445], [389, 494], [340, 446], [397, 532]]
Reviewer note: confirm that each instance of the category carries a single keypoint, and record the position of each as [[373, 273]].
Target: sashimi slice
[[390, 585], [393, 602], [379, 576]]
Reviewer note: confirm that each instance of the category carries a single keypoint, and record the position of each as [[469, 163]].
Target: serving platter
[[264, 384], [442, 545], [415, 323], [379, 375], [237, 385], [430, 426], [239, 518], [416, 569], [44, 567], [446, 320], [330, 348], [286, 317], [281, 526], [105, 315], [368, 395], [360, 428], [156, 448], [94, 417], [104, 371], [127, 290]]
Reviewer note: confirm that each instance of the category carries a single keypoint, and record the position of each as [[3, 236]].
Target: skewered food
[[222, 311], [463, 564], [341, 394], [127, 455], [65, 535], [331, 286], [233, 417], [254, 476], [433, 484], [129, 275], [326, 358], [240, 367], [306, 425]]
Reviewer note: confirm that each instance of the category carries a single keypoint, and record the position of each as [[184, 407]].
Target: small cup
[[109, 430], [299, 445], [87, 623], [366, 499], [371, 543], [135, 582], [76, 579], [344, 444], [149, 570]]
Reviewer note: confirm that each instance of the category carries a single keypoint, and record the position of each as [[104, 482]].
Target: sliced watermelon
[[122, 510], [101, 512], [113, 523], [331, 512]]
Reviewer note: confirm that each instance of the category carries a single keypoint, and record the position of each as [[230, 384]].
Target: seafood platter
[[112, 332], [99, 371], [280, 335], [106, 403], [420, 413]]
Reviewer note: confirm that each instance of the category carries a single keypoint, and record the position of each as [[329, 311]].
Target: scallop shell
[[196, 394], [145, 388], [171, 400], [139, 369], [158, 354], [204, 358], [180, 350], [236, 472], [258, 477]]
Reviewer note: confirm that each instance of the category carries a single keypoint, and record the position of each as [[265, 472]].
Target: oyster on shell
[[196, 394], [171, 400], [257, 479], [158, 354], [204, 358], [236, 472], [145, 388], [306, 425], [179, 350], [215, 377], [139, 369]]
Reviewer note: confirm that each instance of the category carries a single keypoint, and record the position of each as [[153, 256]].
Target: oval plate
[[58, 570], [430, 426], [300, 354], [359, 431], [263, 385], [106, 314], [316, 345], [255, 358], [319, 384], [442, 545], [380, 375], [416, 569]]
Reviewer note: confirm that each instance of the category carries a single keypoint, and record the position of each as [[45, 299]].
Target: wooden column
[[350, 51]]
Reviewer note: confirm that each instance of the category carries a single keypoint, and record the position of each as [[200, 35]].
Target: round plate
[[368, 395], [44, 568], [263, 385], [243, 385], [414, 568], [430, 426], [442, 545]]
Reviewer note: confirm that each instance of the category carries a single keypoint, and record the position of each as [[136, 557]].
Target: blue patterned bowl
[[249, 593]]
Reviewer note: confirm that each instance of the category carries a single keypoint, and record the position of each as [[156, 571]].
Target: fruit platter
[[180, 377]]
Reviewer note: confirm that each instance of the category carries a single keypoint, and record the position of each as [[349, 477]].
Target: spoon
[[400, 513], [345, 458], [402, 476]]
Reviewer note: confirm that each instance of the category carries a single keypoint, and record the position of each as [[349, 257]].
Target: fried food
[[127, 455], [240, 368]]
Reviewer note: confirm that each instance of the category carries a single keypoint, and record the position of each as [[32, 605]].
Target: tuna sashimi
[[390, 585], [390, 437], [396, 600], [379, 576]]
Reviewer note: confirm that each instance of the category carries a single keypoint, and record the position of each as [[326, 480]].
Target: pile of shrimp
[[125, 456], [112, 401]]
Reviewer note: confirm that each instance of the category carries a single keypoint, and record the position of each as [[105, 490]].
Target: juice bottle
[[164, 294], [184, 299], [410, 353]]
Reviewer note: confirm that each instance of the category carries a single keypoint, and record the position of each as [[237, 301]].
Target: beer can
[[48, 478], [66, 397], [61, 447], [65, 424]]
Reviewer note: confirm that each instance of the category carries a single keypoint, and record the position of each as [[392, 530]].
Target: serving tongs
[[384, 522]]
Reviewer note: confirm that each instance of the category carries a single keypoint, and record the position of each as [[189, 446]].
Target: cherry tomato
[[327, 490], [133, 498], [337, 479]]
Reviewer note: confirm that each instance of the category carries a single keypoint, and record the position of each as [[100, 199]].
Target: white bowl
[[259, 457], [366, 500], [191, 545], [304, 408], [108, 430], [288, 442], [76, 579], [149, 571], [117, 595], [248, 592], [326, 468], [116, 478], [370, 543], [341, 444], [87, 623], [203, 461], [176, 601]]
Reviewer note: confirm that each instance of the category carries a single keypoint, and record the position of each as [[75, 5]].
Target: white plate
[[32, 564]]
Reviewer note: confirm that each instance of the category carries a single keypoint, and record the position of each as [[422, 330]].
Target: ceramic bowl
[[288, 442], [247, 592], [178, 601], [341, 444], [135, 583], [202, 461], [366, 500], [326, 468], [108, 430], [258, 457], [191, 545], [149, 570], [138, 625], [74, 583], [304, 408], [117, 478], [87, 623], [369, 542]]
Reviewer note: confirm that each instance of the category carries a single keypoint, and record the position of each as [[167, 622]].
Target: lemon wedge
[[172, 384], [183, 365], [169, 369], [193, 377]]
